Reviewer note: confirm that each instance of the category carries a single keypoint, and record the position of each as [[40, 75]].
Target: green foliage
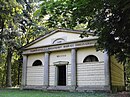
[[18, 27], [69, 13], [9, 11], [9, 23], [107, 19], [111, 25], [2, 69]]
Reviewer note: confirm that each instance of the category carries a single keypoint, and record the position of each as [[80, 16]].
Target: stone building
[[61, 60]]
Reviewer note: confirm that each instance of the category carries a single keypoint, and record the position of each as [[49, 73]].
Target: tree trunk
[[8, 61]]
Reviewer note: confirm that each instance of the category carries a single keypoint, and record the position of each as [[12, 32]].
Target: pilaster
[[24, 70], [46, 69], [73, 69], [107, 69]]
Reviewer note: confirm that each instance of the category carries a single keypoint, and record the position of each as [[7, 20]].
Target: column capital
[[48, 52], [74, 49]]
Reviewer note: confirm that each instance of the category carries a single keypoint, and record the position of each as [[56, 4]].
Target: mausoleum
[[61, 60]]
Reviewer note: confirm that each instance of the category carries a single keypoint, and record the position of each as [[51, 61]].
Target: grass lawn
[[34, 93]]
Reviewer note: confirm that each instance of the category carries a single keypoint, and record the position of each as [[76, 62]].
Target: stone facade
[[61, 60]]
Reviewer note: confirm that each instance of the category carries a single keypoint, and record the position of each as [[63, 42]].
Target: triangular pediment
[[58, 36]]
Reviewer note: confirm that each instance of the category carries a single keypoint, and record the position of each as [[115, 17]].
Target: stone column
[[107, 69], [24, 70], [73, 68], [46, 69]]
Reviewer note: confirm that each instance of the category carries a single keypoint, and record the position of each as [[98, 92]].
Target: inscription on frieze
[[61, 55], [62, 46]]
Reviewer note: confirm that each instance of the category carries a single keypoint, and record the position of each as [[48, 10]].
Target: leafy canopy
[[109, 20]]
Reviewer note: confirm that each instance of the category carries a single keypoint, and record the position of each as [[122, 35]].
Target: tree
[[109, 20], [18, 27], [8, 31], [111, 24]]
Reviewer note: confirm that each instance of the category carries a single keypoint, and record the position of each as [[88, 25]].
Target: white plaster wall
[[83, 52], [68, 76], [68, 35], [90, 73], [52, 72], [35, 74], [60, 56], [87, 73], [65, 56], [32, 58]]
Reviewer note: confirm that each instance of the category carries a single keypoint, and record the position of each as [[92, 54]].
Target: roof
[[52, 32]]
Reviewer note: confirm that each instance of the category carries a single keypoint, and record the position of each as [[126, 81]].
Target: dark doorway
[[62, 75]]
